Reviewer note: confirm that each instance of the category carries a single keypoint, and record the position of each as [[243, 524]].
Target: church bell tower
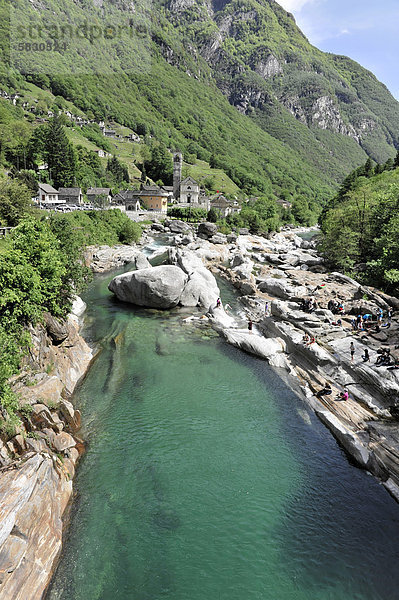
[[177, 168]]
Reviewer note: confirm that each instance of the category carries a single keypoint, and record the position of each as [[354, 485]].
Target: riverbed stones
[[104, 258], [158, 287]]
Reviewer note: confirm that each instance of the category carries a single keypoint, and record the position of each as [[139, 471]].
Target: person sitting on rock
[[366, 356], [337, 323], [344, 396], [326, 391], [312, 340], [384, 357], [305, 339]]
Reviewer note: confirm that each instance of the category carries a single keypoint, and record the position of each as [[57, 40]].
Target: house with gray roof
[[47, 194], [98, 195], [71, 196], [224, 206]]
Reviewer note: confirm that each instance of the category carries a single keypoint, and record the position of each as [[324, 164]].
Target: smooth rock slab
[[157, 287], [270, 349]]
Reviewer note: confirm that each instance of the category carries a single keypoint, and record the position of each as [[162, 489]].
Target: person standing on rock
[[352, 350], [218, 303], [267, 309], [250, 324]]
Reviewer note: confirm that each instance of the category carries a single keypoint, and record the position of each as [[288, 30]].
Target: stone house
[[224, 206], [169, 190], [102, 153], [284, 203], [71, 196], [99, 195], [130, 198]]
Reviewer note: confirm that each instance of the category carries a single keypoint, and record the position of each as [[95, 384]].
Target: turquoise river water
[[206, 478]]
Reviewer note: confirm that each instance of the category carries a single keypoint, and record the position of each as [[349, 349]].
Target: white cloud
[[292, 5]]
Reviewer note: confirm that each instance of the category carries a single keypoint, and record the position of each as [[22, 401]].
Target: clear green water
[[205, 478]]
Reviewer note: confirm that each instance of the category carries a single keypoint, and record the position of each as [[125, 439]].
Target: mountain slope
[[234, 83]]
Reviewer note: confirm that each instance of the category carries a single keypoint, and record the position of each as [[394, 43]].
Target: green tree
[[118, 170], [59, 154], [160, 165], [28, 178], [213, 215], [15, 202], [33, 240]]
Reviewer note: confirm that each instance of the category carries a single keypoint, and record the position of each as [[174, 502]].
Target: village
[[150, 198]]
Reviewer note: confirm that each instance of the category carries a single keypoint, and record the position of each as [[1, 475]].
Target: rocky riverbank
[[277, 279], [37, 463]]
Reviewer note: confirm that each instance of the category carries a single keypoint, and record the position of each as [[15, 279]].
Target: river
[[206, 478]]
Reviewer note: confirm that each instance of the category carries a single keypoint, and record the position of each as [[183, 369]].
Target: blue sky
[[365, 30]]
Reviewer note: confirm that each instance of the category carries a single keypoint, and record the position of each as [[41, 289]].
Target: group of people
[[384, 357], [309, 304], [327, 391], [336, 307], [308, 340]]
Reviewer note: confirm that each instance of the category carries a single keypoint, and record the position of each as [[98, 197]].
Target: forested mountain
[[233, 83], [361, 226]]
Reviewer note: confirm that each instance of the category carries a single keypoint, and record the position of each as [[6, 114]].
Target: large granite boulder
[[219, 238], [188, 261], [157, 287], [200, 289], [237, 260], [268, 348], [179, 226], [282, 288], [57, 330], [207, 230]]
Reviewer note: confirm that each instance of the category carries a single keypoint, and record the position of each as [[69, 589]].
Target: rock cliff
[[37, 464]]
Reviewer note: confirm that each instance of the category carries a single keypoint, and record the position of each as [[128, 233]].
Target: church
[[187, 192]]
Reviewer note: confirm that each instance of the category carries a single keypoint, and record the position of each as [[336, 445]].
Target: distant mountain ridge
[[261, 60]]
